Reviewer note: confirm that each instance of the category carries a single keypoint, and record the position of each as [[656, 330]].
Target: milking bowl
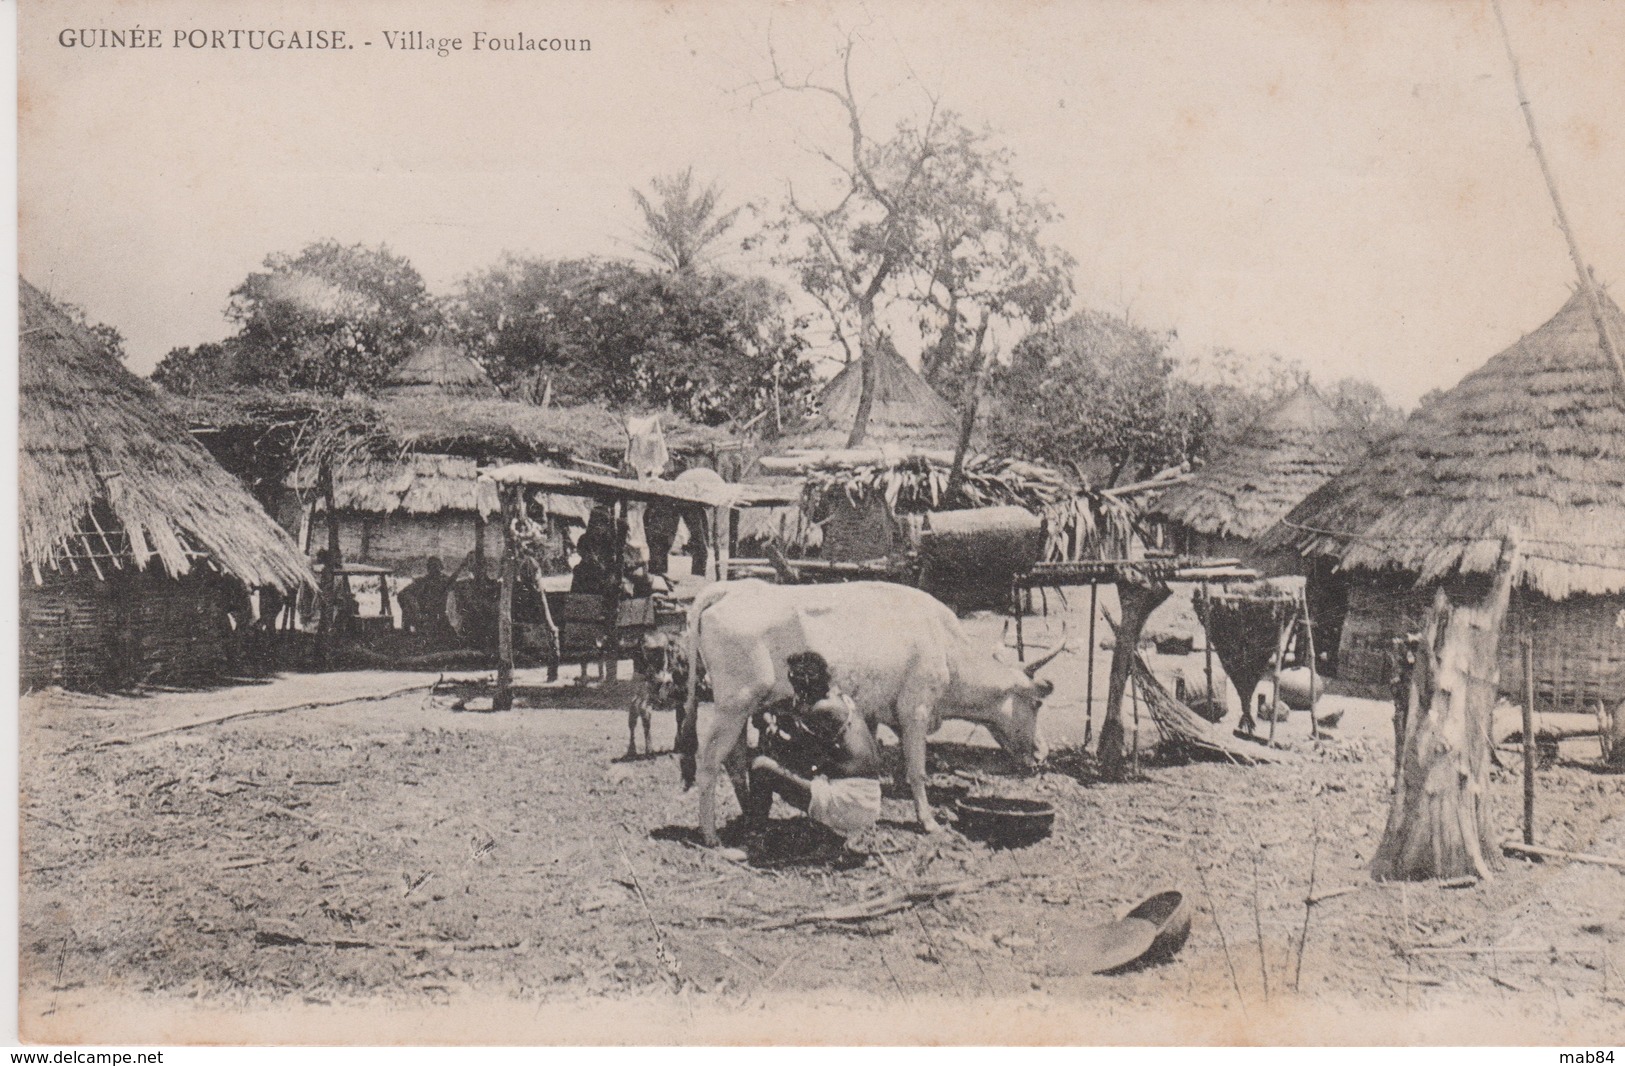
[[1005, 821]]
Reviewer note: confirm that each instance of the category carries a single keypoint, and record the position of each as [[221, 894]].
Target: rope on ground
[[258, 713]]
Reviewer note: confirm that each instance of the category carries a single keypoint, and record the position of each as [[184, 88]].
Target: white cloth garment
[[848, 805]]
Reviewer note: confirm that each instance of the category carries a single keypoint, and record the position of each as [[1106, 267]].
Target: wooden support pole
[[1089, 684], [1314, 670], [1138, 598], [1280, 661], [503, 700], [611, 666], [1207, 645], [1021, 641], [1529, 738], [1587, 286], [327, 620], [479, 546]]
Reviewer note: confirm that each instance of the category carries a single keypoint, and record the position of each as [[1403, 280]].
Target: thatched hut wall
[[81, 632], [1579, 642]]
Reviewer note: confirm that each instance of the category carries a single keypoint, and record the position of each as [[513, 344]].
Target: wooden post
[[1439, 821], [479, 546], [1134, 749], [1016, 606], [327, 619], [1280, 661], [724, 525], [611, 665], [1089, 684], [1529, 738], [1314, 670], [1207, 645], [1137, 598], [503, 700]]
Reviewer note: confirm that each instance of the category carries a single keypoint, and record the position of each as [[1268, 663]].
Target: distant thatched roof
[[292, 428], [1292, 450], [438, 369], [905, 410], [109, 477], [1531, 446], [507, 429], [415, 484]]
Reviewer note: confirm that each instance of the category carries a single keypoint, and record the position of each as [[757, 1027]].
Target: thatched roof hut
[[905, 412], [135, 544], [1290, 451], [109, 478], [438, 369], [1531, 448]]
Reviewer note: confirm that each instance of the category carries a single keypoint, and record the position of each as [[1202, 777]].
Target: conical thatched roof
[[906, 411], [1530, 446], [438, 369], [1292, 450], [109, 478]]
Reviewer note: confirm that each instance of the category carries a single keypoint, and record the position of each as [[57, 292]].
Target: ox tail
[[688, 731]]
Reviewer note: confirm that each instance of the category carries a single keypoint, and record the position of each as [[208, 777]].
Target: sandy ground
[[391, 854]]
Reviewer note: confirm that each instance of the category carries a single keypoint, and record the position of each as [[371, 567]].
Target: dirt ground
[[391, 849]]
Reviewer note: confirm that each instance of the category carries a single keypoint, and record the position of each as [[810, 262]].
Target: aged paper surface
[[1347, 186]]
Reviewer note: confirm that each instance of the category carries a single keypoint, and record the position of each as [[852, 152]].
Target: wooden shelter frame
[[720, 501]]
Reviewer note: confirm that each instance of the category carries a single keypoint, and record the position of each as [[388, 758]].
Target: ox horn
[[1032, 668]]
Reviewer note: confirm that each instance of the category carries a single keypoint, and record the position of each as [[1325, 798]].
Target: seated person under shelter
[[817, 753], [423, 604]]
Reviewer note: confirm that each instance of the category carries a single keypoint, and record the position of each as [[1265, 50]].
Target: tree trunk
[[967, 421], [868, 348], [1137, 600], [1439, 820]]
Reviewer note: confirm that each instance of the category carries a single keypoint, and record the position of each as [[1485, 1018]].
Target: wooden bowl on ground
[[1005, 822]]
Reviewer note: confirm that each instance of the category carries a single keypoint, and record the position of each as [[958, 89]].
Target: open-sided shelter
[[1529, 448], [135, 543]]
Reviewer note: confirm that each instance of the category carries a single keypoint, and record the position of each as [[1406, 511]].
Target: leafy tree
[[204, 368], [682, 222], [713, 346], [333, 318], [930, 218], [1096, 393], [1364, 404], [1235, 389]]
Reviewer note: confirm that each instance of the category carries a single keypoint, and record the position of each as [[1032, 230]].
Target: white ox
[[900, 654]]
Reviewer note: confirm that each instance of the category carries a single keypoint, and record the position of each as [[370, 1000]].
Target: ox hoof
[[930, 825]]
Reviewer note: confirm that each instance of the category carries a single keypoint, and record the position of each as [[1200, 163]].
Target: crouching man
[[817, 753]]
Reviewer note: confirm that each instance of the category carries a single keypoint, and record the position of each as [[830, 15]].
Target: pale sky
[[1347, 184]]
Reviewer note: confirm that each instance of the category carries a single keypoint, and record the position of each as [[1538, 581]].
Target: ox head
[[1018, 733]]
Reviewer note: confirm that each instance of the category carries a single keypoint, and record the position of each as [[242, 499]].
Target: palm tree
[[681, 221]]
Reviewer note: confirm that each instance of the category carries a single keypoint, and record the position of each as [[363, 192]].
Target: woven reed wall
[[69, 630], [89, 634], [858, 533], [1579, 642], [174, 631]]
